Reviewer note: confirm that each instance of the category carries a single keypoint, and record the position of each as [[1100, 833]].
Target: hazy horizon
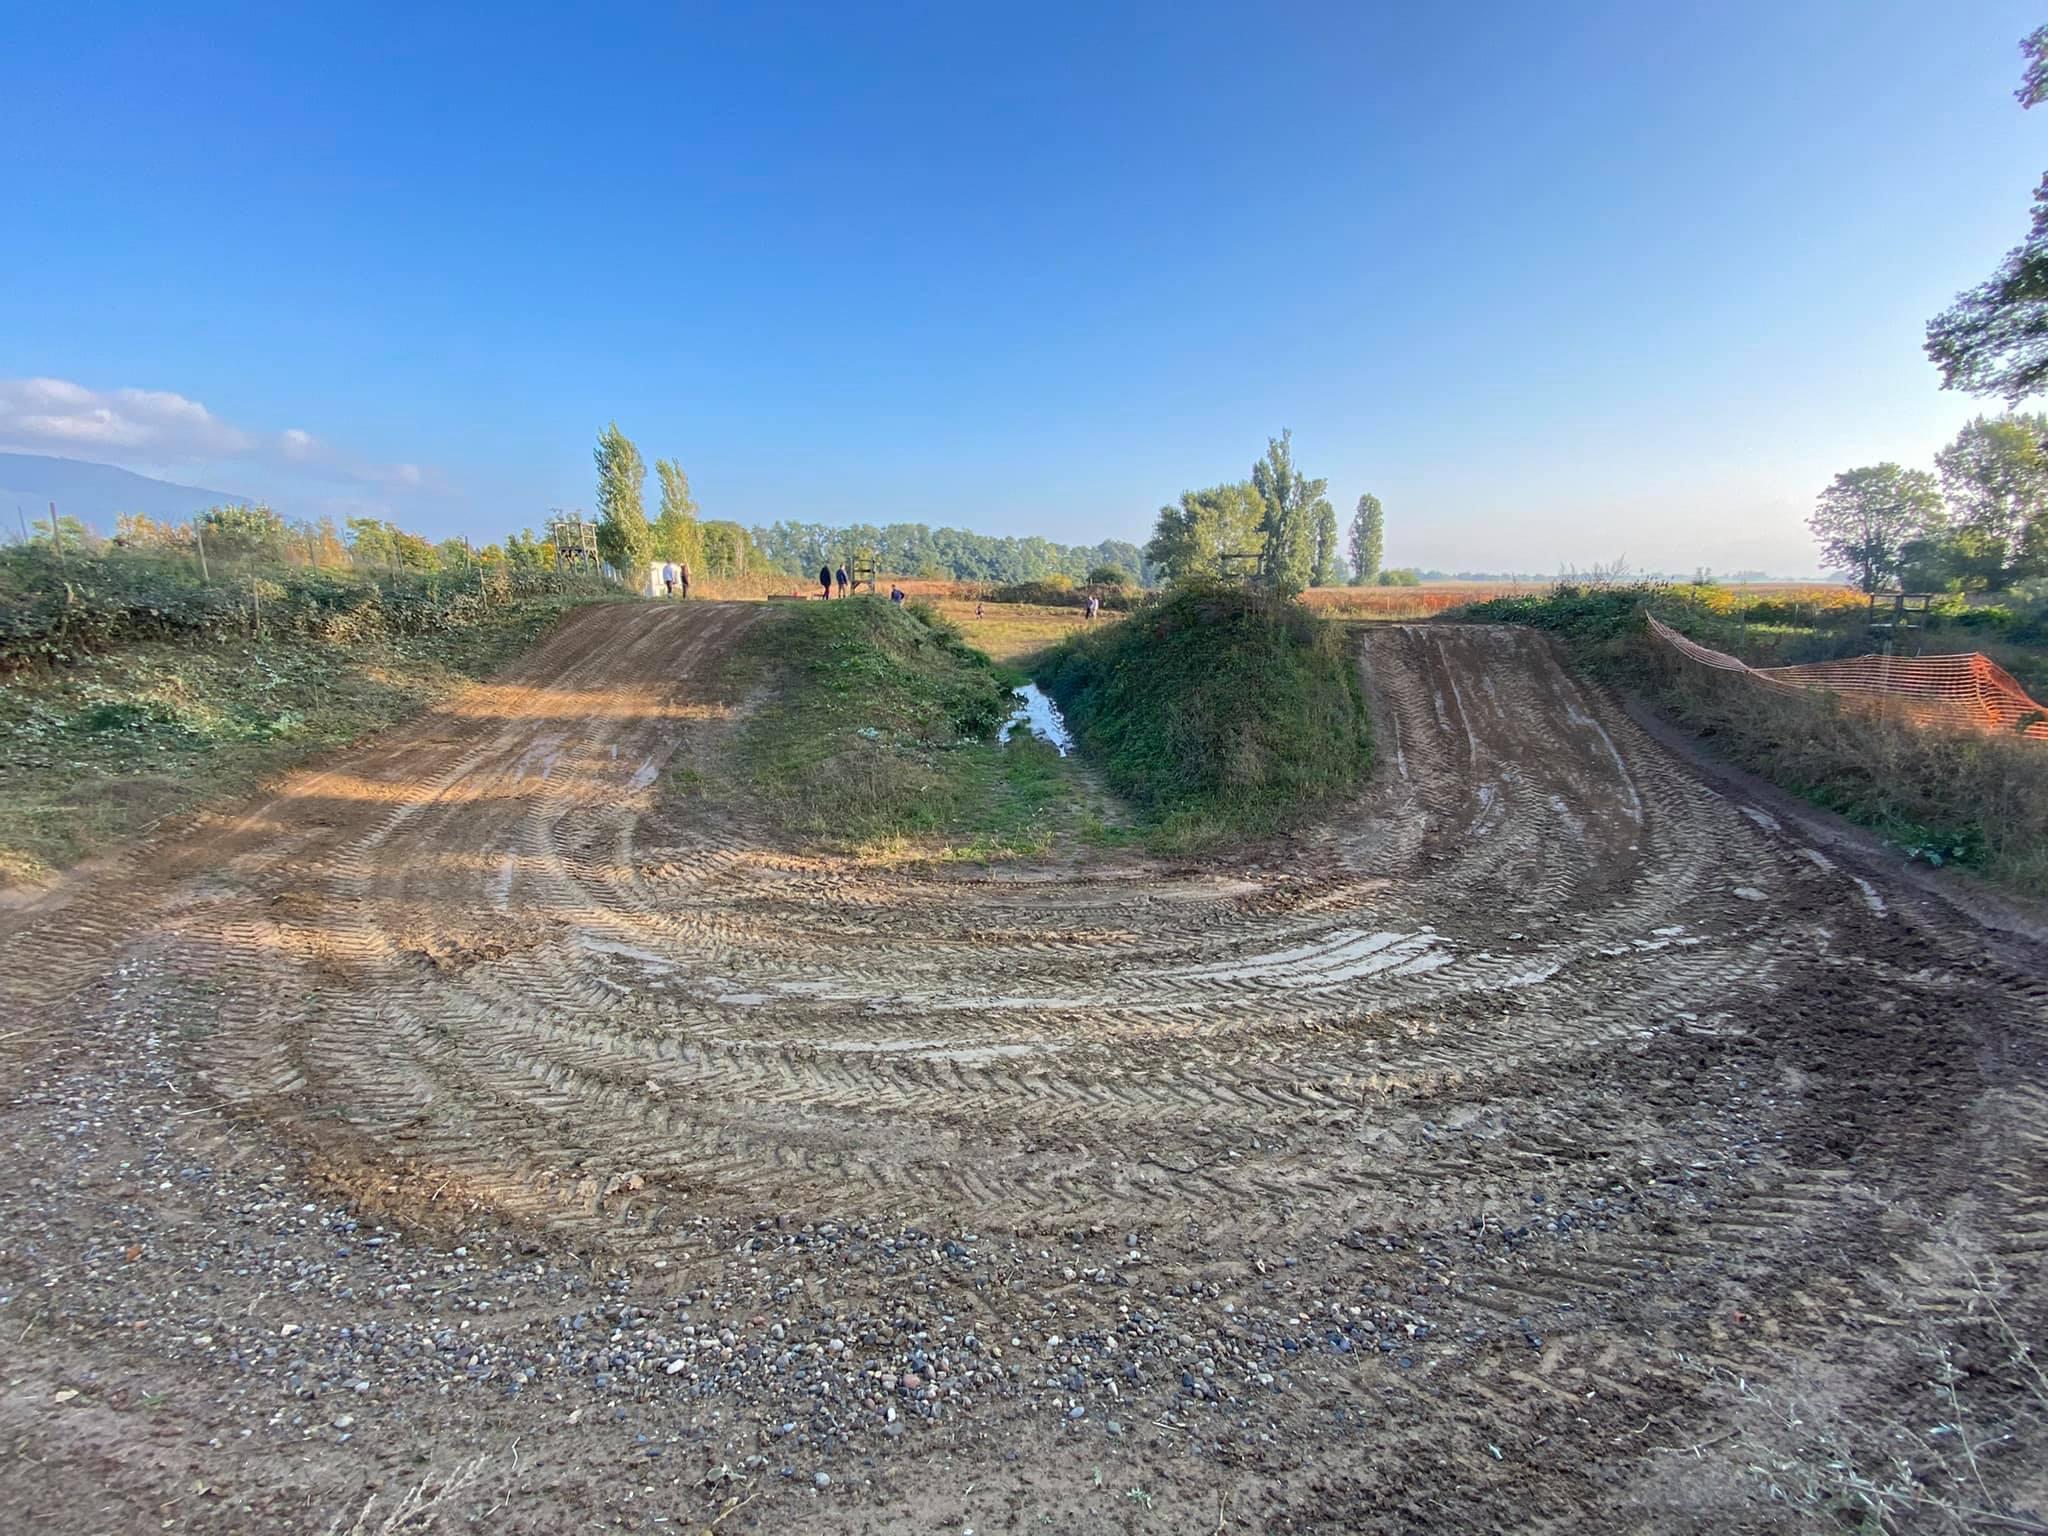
[[1557, 290]]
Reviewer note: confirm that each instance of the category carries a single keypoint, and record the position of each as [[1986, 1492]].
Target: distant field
[[1009, 632], [1421, 602]]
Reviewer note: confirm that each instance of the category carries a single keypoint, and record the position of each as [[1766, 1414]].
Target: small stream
[[1041, 717]]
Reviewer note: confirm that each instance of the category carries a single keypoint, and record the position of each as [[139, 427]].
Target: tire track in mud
[[486, 954]]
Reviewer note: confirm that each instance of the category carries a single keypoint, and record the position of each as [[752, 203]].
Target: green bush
[[1218, 711], [1982, 616]]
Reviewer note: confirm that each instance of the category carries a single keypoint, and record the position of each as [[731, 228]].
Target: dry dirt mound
[[1579, 1089]]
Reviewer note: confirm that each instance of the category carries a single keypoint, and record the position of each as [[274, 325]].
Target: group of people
[[827, 577], [677, 573]]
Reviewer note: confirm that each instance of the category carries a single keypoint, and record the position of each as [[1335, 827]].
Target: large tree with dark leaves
[[1994, 339]]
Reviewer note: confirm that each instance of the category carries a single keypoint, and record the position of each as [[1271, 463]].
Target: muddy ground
[[488, 1130]]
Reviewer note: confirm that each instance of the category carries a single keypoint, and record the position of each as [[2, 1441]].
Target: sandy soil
[[477, 1131]]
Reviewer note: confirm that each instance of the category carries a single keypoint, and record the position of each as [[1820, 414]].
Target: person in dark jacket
[[842, 578], [825, 582]]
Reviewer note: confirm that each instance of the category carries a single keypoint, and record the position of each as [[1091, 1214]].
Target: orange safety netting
[[1969, 689]]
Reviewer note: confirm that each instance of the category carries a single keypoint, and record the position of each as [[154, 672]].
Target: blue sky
[[1558, 283]]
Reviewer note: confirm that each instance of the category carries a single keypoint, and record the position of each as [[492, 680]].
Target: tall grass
[[1941, 795]]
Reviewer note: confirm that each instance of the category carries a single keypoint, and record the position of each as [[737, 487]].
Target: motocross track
[[1504, 1153]]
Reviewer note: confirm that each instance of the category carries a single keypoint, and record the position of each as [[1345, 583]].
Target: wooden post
[[199, 539], [57, 537]]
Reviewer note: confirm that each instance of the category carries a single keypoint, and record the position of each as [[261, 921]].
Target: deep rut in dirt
[[491, 963]]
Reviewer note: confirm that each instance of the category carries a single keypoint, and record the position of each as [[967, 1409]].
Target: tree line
[[1977, 523], [628, 542], [1277, 527], [953, 554]]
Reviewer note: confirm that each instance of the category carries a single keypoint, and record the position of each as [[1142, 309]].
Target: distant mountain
[[93, 492]]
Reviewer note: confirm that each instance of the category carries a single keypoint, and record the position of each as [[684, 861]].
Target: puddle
[[1039, 715], [646, 957], [939, 1050]]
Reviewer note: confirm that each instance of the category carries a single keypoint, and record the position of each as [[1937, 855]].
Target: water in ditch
[[1041, 717]]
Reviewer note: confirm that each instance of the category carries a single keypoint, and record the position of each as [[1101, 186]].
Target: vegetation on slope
[[1219, 711], [1942, 796], [56, 608], [881, 735], [101, 747]]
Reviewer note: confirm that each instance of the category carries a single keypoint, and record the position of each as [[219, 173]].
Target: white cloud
[[55, 414], [158, 428]]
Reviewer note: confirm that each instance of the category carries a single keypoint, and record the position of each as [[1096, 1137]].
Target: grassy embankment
[[132, 691], [1218, 712], [882, 738], [1947, 797]]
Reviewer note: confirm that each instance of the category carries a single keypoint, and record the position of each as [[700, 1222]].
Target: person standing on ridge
[[825, 582], [683, 568], [842, 578], [668, 577]]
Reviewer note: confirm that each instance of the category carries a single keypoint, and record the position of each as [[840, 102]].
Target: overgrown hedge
[[53, 611], [1056, 594]]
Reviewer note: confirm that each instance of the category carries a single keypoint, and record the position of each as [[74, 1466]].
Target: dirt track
[[1445, 1168]]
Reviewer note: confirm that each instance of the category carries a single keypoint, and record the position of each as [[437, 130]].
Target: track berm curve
[[1612, 1081]]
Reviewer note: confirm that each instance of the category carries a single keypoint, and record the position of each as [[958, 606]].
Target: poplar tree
[[1368, 535], [1293, 509], [623, 537], [1329, 563], [676, 533]]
